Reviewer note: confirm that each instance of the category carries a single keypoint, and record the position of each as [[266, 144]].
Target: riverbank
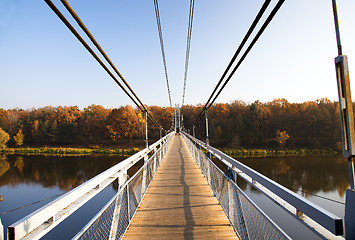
[[70, 151], [273, 152], [131, 151]]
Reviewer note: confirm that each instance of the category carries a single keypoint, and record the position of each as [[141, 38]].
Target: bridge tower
[[177, 119]]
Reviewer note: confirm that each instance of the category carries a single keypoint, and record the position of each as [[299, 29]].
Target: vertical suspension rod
[[207, 138], [337, 30], [146, 129]]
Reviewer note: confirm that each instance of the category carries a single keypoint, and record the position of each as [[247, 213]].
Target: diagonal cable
[[256, 38], [188, 44], [251, 45], [157, 15], [87, 47], [245, 39]]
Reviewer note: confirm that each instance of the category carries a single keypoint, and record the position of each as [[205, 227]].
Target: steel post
[[175, 120], [347, 126], [193, 130], [206, 116]]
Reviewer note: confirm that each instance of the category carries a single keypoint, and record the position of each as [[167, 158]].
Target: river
[[28, 179], [321, 179]]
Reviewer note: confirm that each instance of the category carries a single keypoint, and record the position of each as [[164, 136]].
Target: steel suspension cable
[[256, 38], [157, 16], [245, 39], [251, 45], [87, 47], [188, 44], [97, 45]]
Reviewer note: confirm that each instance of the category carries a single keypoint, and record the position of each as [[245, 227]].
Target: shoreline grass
[[130, 151], [273, 152], [70, 151]]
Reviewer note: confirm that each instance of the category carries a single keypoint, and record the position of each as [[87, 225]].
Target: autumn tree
[[122, 123], [12, 121], [92, 124], [259, 117], [281, 137], [18, 138], [163, 117], [4, 138]]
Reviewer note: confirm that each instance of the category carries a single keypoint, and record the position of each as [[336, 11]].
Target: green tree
[[4, 138]]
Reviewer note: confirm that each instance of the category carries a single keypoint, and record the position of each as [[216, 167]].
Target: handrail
[[40, 222], [280, 194]]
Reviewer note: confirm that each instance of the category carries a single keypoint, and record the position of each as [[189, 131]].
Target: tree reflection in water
[[309, 174], [49, 171]]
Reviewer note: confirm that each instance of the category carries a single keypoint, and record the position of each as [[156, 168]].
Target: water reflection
[[4, 165], [309, 174], [30, 179], [49, 171]]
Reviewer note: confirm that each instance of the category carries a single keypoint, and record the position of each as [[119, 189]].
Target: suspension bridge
[[185, 188]]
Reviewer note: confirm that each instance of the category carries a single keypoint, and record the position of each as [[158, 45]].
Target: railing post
[[145, 175], [347, 124], [232, 174], [1, 231], [193, 130], [122, 178]]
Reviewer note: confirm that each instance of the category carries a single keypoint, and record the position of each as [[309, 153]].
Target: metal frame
[[319, 220], [40, 222]]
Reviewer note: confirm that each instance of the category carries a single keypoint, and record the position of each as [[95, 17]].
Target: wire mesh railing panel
[[113, 220], [248, 220], [224, 198], [217, 181], [137, 185], [151, 169], [123, 217], [257, 224], [101, 226]]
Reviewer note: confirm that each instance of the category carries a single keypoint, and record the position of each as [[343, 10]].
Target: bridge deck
[[179, 203]]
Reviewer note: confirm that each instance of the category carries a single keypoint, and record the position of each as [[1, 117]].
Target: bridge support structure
[[347, 125]]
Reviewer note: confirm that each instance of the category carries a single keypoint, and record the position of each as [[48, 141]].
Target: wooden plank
[[179, 203]]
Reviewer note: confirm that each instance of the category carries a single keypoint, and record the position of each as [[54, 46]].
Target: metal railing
[[323, 223], [248, 220], [112, 221]]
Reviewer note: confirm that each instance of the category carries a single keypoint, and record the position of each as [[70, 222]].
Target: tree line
[[279, 123]]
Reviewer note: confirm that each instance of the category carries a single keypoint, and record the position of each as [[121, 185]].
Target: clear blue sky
[[42, 63]]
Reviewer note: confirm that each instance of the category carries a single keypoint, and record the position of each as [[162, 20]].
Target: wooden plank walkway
[[179, 203]]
